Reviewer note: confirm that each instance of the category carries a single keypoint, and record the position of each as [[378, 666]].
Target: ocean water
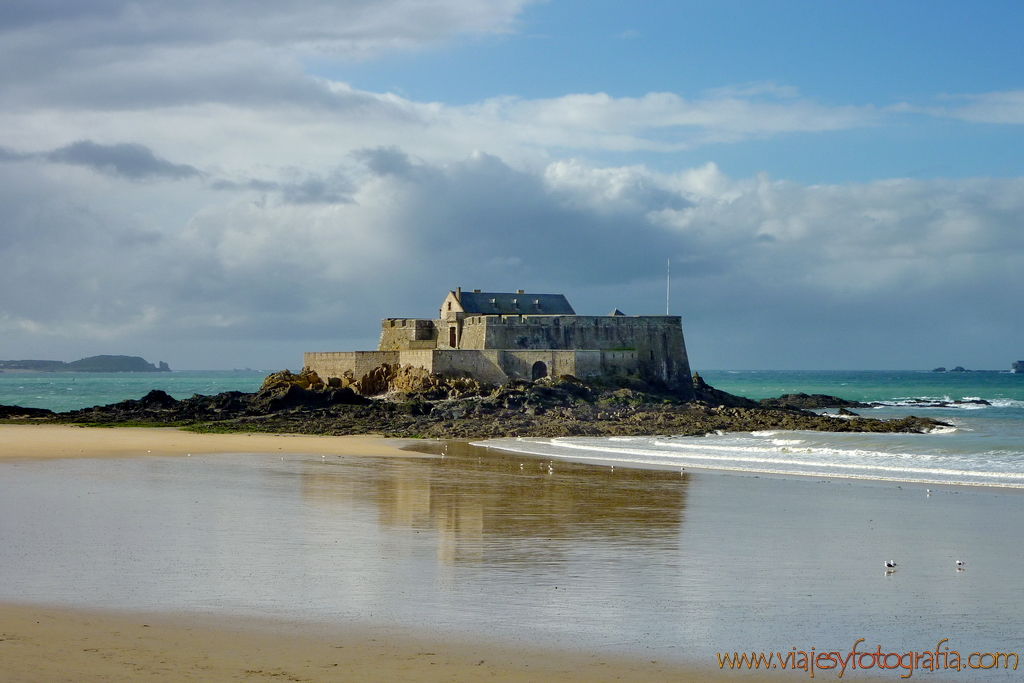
[[61, 391], [984, 444]]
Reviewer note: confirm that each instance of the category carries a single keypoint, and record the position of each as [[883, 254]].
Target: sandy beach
[[51, 645], [365, 566], [61, 441]]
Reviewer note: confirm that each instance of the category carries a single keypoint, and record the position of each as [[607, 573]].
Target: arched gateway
[[539, 370]]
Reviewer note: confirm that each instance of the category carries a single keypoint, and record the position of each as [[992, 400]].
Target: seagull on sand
[[959, 565], [889, 564]]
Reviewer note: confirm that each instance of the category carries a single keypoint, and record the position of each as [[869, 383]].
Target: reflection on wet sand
[[491, 507]]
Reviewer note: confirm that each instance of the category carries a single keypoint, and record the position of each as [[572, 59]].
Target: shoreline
[[53, 442], [766, 474], [36, 442], [57, 643], [598, 461]]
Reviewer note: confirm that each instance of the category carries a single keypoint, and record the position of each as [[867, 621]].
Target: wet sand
[[426, 541], [51, 645], [60, 441]]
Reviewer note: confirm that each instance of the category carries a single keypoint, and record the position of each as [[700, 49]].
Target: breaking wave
[[892, 457]]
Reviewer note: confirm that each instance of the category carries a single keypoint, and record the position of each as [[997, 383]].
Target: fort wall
[[397, 334], [354, 363], [489, 366], [494, 348]]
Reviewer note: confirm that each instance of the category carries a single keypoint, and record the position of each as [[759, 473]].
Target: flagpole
[[668, 283]]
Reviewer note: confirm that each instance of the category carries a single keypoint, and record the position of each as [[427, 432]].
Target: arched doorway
[[539, 370]]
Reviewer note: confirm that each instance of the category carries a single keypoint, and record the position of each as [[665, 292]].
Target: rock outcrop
[[419, 405], [19, 413], [810, 402]]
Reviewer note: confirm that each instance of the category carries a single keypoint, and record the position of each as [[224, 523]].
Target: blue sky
[[860, 54], [228, 183]]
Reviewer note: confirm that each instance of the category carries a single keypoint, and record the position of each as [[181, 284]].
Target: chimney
[[458, 294]]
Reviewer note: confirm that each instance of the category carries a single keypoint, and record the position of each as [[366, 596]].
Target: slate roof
[[504, 303]]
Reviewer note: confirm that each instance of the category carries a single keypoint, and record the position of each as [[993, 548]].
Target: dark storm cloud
[[383, 161], [10, 155], [128, 160], [332, 188]]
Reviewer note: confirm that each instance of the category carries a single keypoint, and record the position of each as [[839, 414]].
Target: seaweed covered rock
[[19, 413], [810, 402], [417, 404]]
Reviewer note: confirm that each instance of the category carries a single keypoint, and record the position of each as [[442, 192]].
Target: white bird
[[889, 564]]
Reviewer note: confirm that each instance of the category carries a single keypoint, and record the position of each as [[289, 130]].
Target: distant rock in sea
[[91, 364], [1017, 367], [939, 369]]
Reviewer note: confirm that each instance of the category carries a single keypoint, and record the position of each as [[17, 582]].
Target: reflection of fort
[[499, 508]]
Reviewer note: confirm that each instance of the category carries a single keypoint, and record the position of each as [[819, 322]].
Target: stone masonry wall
[[657, 341], [398, 334], [336, 363]]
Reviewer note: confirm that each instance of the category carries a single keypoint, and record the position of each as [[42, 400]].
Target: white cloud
[[994, 107], [350, 28], [168, 171], [922, 261], [663, 121], [130, 54], [317, 124]]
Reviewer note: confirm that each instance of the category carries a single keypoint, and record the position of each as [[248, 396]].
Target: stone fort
[[496, 337]]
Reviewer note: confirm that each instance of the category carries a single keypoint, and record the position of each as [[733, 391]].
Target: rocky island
[[91, 364], [400, 401]]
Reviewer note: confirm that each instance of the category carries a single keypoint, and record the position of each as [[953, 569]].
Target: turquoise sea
[[61, 391]]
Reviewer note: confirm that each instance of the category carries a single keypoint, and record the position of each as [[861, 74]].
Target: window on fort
[[451, 337], [449, 305]]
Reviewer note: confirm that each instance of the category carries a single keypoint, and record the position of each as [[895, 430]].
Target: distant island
[[91, 364], [960, 368]]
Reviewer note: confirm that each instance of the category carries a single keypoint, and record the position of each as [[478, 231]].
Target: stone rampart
[[356, 363], [399, 334], [495, 348]]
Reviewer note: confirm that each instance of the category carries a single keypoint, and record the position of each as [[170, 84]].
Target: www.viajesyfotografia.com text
[[813, 661]]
